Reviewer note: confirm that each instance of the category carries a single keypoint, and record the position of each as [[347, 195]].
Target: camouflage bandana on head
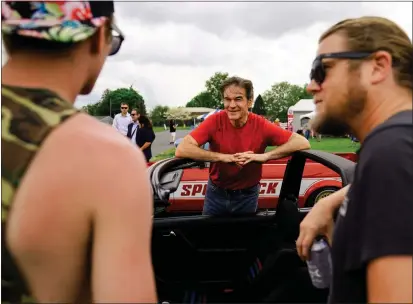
[[61, 21]]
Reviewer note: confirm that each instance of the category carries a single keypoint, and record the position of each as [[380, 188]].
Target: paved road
[[161, 142]]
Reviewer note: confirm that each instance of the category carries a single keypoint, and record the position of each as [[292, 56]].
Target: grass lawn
[[160, 129], [326, 144], [332, 145], [165, 154]]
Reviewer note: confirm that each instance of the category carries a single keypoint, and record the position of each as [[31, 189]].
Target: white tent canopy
[[308, 115], [303, 105], [204, 116]]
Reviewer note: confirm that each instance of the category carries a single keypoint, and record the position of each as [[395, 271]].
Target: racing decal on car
[[269, 188]]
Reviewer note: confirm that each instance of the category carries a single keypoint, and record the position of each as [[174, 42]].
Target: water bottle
[[319, 264]]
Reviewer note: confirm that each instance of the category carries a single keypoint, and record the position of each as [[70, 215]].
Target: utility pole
[[110, 107]]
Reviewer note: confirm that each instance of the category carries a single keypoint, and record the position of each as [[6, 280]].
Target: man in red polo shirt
[[238, 140]]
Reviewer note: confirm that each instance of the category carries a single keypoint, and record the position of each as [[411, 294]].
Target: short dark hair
[[13, 43], [239, 82], [124, 103], [136, 110]]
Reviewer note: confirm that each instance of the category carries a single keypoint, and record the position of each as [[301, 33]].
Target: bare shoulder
[[85, 175], [85, 160], [100, 142], [104, 157]]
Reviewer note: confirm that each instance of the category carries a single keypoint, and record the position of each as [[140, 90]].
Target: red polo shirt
[[256, 135]]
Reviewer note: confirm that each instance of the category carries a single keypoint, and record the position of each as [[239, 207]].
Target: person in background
[[145, 136], [316, 135], [238, 139], [61, 242], [362, 83], [172, 130], [277, 122], [133, 126], [354, 140], [313, 133], [306, 131], [122, 120]]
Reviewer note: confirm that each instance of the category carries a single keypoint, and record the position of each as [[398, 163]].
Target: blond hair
[[369, 34]]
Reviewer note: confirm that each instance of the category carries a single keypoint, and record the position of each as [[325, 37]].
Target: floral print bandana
[[61, 21]]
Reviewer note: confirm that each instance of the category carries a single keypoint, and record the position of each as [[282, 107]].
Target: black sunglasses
[[124, 107], [117, 39], [318, 72]]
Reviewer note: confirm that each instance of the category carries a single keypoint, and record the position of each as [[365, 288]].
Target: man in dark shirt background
[[362, 84], [133, 127]]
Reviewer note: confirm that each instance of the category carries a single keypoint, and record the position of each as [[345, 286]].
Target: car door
[[194, 256]]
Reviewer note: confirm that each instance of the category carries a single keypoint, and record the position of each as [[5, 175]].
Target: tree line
[[109, 103], [273, 103]]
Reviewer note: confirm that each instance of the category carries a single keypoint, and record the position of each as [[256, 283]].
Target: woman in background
[[172, 130], [145, 136]]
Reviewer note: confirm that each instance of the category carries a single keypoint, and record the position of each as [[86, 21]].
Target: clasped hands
[[243, 158]]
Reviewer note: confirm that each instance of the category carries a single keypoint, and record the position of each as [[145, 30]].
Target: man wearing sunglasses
[[122, 120], [133, 127], [71, 231], [362, 84]]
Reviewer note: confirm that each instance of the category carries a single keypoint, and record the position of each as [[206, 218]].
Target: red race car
[[318, 181]]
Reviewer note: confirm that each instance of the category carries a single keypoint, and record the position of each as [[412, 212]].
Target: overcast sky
[[171, 49]]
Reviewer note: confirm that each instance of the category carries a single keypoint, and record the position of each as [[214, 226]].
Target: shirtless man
[[69, 223]]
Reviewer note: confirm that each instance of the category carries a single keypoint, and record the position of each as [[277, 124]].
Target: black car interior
[[237, 259]]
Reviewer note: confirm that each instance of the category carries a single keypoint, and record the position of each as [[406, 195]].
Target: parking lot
[[161, 142]]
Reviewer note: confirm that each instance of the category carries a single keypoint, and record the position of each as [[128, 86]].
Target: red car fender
[[329, 182], [191, 190]]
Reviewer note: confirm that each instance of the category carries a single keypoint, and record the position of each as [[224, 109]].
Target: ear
[[382, 66], [249, 103], [98, 41]]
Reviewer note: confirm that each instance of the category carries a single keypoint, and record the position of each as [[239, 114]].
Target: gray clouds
[[263, 19], [172, 48]]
